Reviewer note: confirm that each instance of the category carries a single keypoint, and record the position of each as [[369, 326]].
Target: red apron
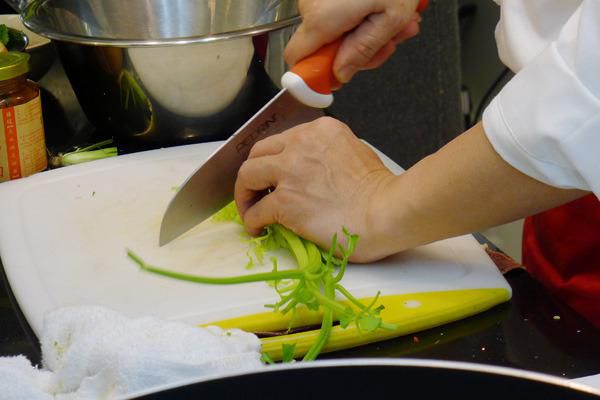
[[561, 249]]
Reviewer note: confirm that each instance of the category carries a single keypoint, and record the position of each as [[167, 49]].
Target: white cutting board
[[63, 235]]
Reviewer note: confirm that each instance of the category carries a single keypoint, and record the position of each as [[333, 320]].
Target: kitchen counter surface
[[533, 331]]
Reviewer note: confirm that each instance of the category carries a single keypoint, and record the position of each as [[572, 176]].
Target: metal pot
[[157, 73], [380, 379]]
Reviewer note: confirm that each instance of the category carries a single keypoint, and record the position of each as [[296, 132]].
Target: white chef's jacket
[[546, 121]]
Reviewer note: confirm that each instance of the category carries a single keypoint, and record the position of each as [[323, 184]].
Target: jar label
[[22, 141]]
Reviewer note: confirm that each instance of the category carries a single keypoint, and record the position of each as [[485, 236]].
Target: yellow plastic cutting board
[[63, 236]]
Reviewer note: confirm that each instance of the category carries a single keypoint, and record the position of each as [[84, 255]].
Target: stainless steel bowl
[[158, 73]]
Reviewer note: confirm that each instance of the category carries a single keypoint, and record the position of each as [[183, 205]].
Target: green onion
[[89, 153], [313, 284], [4, 36]]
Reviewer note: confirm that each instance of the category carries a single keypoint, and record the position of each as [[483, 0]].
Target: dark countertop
[[523, 333]]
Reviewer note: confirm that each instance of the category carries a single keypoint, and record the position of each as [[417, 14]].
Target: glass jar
[[22, 140]]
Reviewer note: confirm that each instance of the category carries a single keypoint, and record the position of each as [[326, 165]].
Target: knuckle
[[281, 203], [255, 149], [318, 129], [314, 135], [243, 172], [311, 22], [297, 138], [394, 18], [328, 123], [331, 127], [366, 46], [309, 8]]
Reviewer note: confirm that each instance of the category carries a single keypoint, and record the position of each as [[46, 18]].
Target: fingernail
[[346, 73]]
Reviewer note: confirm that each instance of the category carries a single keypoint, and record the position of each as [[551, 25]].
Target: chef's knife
[[306, 90]]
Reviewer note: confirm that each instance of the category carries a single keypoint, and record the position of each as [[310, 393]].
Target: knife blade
[[211, 187], [306, 90]]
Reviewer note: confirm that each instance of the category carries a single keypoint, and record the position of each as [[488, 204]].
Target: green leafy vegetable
[[32, 9], [227, 213], [136, 107], [288, 352], [313, 284], [266, 359], [258, 246], [4, 36]]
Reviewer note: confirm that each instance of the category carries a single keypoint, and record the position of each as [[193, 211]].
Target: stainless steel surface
[[210, 188], [17, 5], [157, 73], [156, 22]]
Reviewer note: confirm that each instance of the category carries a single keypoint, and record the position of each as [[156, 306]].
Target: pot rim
[[98, 41], [390, 362]]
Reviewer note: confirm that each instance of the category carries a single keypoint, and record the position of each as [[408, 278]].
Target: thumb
[[364, 43]]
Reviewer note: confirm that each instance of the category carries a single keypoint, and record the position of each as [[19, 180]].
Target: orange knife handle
[[312, 79]]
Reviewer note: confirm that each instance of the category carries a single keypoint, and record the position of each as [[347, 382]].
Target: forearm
[[464, 187]]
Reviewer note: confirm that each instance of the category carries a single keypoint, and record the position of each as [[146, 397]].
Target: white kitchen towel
[[96, 353], [19, 380]]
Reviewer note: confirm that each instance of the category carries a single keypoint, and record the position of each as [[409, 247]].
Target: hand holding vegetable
[[373, 27], [321, 178], [324, 177]]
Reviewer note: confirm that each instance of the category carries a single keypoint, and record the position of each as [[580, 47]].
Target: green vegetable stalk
[[89, 153], [313, 284], [4, 37]]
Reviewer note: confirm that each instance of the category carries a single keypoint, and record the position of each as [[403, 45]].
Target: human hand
[[321, 178], [375, 28]]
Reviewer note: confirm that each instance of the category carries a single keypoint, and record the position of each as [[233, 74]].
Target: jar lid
[[13, 64]]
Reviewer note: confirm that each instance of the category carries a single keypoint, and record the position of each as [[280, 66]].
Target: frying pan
[[380, 379]]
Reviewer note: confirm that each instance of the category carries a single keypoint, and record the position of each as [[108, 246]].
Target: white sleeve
[[546, 121]]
